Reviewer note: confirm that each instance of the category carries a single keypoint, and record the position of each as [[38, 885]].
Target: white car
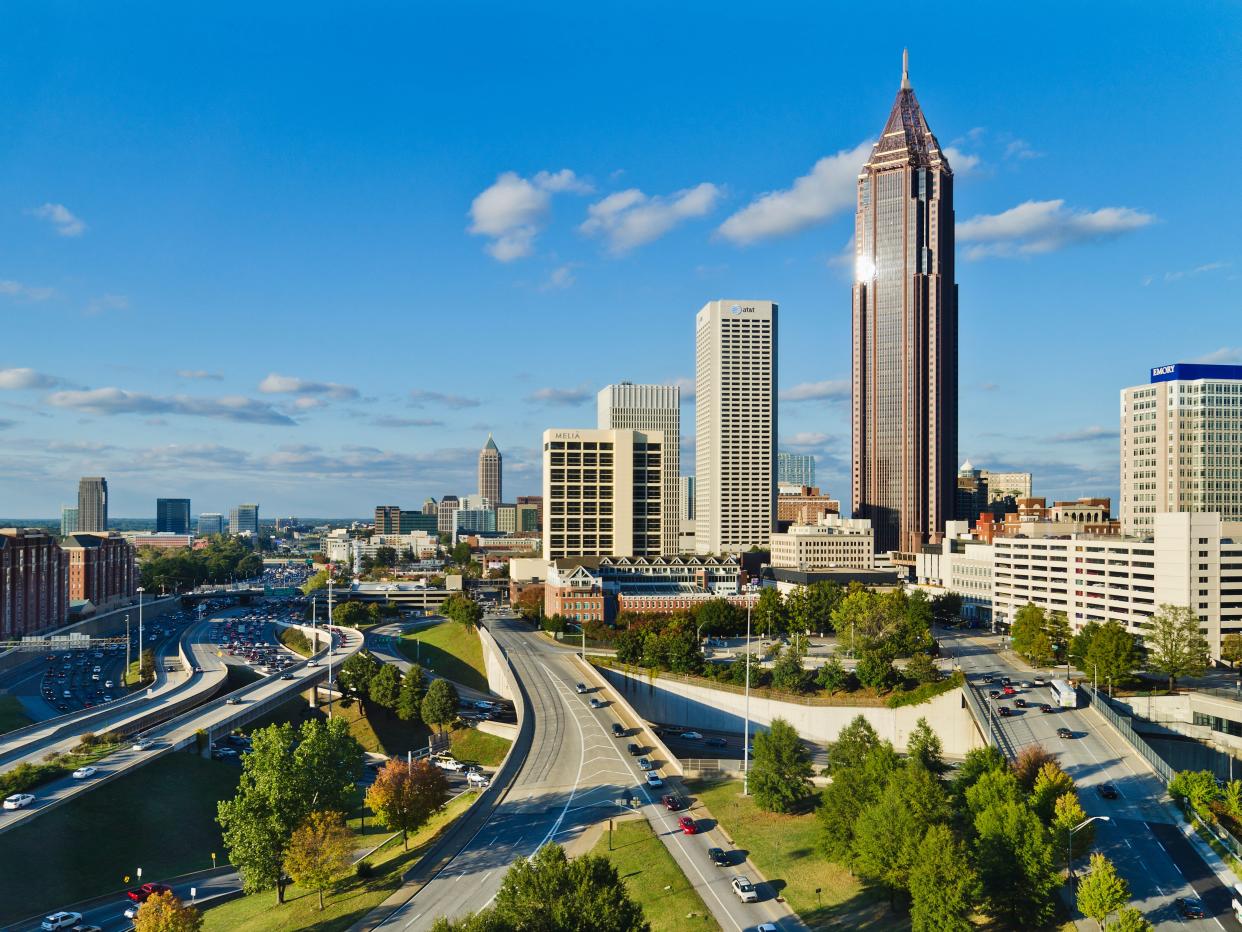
[[85, 773], [19, 801], [479, 780], [448, 763], [690, 735], [60, 920], [143, 744], [745, 890], [653, 779]]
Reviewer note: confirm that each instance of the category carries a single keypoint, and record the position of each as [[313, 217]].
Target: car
[[653, 779], [223, 753], [671, 802], [766, 927], [691, 735], [1027, 684], [688, 826], [1189, 907], [1045, 708], [232, 700], [1064, 733], [147, 890], [1006, 681], [744, 889], [484, 704], [1004, 711], [716, 743], [988, 678], [633, 749], [68, 694], [1008, 690], [644, 764], [82, 928], [312, 663], [478, 779], [718, 857], [1039, 681], [1020, 703], [580, 688], [994, 693], [108, 684], [61, 920], [617, 730], [1107, 790], [286, 676], [19, 801], [448, 763], [596, 704], [85, 773]]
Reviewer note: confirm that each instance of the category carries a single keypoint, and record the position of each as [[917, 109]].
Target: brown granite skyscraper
[[905, 334]]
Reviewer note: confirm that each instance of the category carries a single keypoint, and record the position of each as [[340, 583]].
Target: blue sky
[[310, 256]]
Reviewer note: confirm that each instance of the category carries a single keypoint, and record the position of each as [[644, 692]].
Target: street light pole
[[140, 635], [746, 733], [127, 646], [329, 640], [1069, 846]]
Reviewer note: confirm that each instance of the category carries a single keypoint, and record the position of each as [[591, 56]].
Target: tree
[[1057, 630], [946, 608], [876, 670], [721, 617], [832, 676], [1231, 648], [978, 762], [319, 851], [550, 892], [1112, 654], [404, 797], [410, 699], [769, 612], [1016, 865], [854, 742], [385, 687], [349, 614], [354, 678], [1067, 815], [461, 608], [922, 669], [924, 746], [1174, 645], [460, 554], [888, 832], [1025, 632], [1028, 763], [164, 912], [439, 706], [1080, 643], [1050, 785], [1198, 789], [994, 788], [851, 791], [386, 556], [1129, 919], [1101, 892], [944, 888], [788, 673], [780, 774]]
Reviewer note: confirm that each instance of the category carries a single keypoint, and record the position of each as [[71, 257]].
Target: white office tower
[[735, 421], [627, 406], [1181, 445], [603, 493]]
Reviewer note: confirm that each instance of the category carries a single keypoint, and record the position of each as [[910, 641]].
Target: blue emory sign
[[1189, 371]]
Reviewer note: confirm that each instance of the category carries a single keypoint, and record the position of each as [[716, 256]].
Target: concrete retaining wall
[[499, 674], [673, 702], [595, 675]]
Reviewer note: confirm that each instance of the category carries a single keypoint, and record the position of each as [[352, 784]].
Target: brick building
[[33, 582], [101, 568]]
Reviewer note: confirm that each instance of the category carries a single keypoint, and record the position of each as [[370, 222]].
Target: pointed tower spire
[[905, 69]]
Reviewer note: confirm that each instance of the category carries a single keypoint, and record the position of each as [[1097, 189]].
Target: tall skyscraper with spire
[[490, 472], [905, 333]]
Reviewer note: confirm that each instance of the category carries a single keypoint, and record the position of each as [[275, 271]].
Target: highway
[[1142, 838], [575, 775]]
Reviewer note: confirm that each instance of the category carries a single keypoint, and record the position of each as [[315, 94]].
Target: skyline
[[265, 228]]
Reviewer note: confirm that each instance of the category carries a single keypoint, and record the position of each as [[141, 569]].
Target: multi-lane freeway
[[1142, 837]]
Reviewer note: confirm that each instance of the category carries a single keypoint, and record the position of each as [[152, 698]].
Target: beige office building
[[1000, 484], [626, 406], [833, 542], [603, 493], [735, 421], [1181, 445]]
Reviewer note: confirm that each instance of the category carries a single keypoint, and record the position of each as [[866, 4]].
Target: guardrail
[[985, 717], [1121, 723]]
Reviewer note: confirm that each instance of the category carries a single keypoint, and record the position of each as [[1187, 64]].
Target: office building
[[431, 507], [390, 519], [600, 588], [1034, 517], [1181, 445], [445, 522], [1002, 485], [68, 520], [537, 501], [474, 521], [490, 469], [527, 519], [92, 503], [244, 519], [172, 516], [804, 505], [961, 564], [626, 406], [603, 492], [832, 542], [904, 365], [506, 519], [210, 524], [34, 583], [735, 426], [102, 570], [795, 469], [971, 494], [160, 540], [685, 515]]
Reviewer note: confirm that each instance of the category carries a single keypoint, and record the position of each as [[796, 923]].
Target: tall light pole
[[329, 640], [1069, 846], [746, 732], [140, 635], [127, 645]]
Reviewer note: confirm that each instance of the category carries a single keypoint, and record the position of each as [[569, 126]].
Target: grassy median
[[449, 649], [12, 714]]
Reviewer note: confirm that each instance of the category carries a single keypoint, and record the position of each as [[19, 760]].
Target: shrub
[[926, 692], [364, 870]]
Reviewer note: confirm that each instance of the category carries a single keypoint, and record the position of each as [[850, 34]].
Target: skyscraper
[[92, 504], [905, 334], [627, 406], [490, 472], [244, 518], [797, 469], [735, 418], [210, 524], [68, 520], [1181, 445], [447, 507], [172, 515]]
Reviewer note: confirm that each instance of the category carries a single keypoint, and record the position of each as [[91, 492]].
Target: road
[[1141, 838], [575, 775]]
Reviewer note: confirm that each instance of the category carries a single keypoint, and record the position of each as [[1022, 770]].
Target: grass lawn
[[451, 650], [161, 817], [381, 731], [470, 744], [12, 714], [654, 879], [347, 902], [783, 847]]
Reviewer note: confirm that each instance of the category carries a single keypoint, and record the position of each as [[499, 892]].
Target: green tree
[[1016, 865], [1174, 645], [1080, 643], [1198, 789], [944, 887], [851, 791], [992, 789], [385, 687], [349, 614], [1050, 785], [876, 671], [1129, 919], [780, 774], [946, 608], [548, 891], [924, 746], [460, 554], [789, 674], [1112, 654], [720, 617], [922, 669], [854, 742], [832, 676], [888, 832], [1231, 648], [410, 699], [386, 556], [977, 762], [1057, 630], [1027, 625], [1067, 815], [769, 612], [439, 706], [356, 673], [319, 851], [1101, 892], [461, 608], [1231, 798], [404, 796]]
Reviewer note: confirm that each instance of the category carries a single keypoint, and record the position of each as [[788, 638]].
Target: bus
[[1064, 694]]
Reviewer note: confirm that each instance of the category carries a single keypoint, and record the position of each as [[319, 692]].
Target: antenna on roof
[[905, 69]]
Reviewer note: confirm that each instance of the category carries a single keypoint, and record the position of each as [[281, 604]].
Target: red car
[[1009, 690], [671, 803], [687, 825], [148, 890]]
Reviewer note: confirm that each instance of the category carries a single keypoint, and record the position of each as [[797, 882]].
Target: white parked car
[[61, 920], [448, 763], [478, 779], [653, 779], [745, 890], [85, 773], [19, 801]]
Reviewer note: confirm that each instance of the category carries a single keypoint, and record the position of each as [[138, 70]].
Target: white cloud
[[562, 396], [688, 386], [199, 374], [829, 389], [120, 401], [1086, 435], [562, 277], [60, 217], [1197, 270], [13, 289], [630, 218], [828, 189], [961, 162], [807, 439], [419, 397], [18, 379], [1044, 226], [1224, 356], [511, 211], [399, 422], [1021, 149], [276, 384]]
